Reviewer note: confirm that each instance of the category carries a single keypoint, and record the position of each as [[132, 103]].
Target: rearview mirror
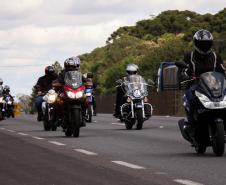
[[181, 64]]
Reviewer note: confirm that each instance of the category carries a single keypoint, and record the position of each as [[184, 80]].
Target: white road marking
[[57, 143], [85, 152], [22, 134], [2, 128], [187, 182], [39, 138], [120, 124], [160, 173], [11, 130], [161, 127], [129, 165]]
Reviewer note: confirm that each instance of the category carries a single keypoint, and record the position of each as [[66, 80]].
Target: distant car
[[167, 77]]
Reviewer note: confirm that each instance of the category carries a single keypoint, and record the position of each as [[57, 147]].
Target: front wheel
[[218, 140], [89, 114], [140, 119], [76, 119]]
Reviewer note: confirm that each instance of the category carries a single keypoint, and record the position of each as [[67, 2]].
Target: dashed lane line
[[187, 182], [57, 143], [10, 130], [85, 152], [2, 128], [120, 124], [129, 165], [39, 138], [22, 134]]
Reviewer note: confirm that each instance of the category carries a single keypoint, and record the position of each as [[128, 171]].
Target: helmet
[[1, 81], [6, 88], [131, 69], [203, 41], [49, 70], [71, 64]]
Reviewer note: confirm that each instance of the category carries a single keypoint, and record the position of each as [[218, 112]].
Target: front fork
[[142, 107]]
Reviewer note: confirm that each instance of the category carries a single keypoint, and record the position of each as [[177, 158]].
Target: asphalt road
[[105, 153]]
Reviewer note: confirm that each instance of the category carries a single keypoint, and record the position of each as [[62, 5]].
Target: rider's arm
[[220, 68]]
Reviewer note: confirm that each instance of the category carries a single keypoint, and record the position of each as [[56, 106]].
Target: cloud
[[38, 32]]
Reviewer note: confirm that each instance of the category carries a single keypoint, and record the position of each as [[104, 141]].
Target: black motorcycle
[[74, 103], [9, 106], [209, 114], [136, 110]]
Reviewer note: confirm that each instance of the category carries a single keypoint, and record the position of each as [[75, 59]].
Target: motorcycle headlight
[[88, 94], [79, 94], [9, 102], [51, 98], [137, 93], [71, 95], [207, 103]]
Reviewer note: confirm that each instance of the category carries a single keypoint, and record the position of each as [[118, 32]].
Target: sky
[[35, 33]]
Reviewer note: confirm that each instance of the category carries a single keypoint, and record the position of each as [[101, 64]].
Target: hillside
[[166, 37]]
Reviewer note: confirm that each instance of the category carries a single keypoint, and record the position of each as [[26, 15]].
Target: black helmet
[[71, 64], [49, 70], [203, 41], [6, 88], [1, 81]]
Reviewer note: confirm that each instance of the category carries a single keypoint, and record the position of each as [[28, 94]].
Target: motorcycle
[[89, 100], [208, 115], [2, 107], [9, 107], [49, 112], [136, 109], [74, 103]]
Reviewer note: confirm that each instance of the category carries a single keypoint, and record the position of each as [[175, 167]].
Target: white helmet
[[131, 69]]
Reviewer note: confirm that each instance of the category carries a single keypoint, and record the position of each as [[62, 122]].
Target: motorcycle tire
[[68, 132], [140, 119], [200, 149], [89, 114], [129, 124], [46, 125], [219, 140], [76, 121]]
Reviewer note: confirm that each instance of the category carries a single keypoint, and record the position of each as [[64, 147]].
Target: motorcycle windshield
[[212, 83], [134, 83], [73, 79]]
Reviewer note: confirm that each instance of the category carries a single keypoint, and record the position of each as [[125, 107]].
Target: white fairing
[[207, 103]]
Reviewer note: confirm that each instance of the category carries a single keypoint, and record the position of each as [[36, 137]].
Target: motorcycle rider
[[131, 69], [89, 77], [6, 92], [43, 85], [202, 59], [1, 86], [70, 64]]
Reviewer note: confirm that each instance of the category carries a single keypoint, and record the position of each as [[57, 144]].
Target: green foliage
[[166, 37]]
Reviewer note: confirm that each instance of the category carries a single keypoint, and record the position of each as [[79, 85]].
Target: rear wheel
[[218, 140], [140, 119], [129, 124], [200, 149], [46, 125], [68, 132]]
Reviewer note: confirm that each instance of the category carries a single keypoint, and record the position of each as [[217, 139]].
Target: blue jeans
[[38, 103], [190, 101]]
